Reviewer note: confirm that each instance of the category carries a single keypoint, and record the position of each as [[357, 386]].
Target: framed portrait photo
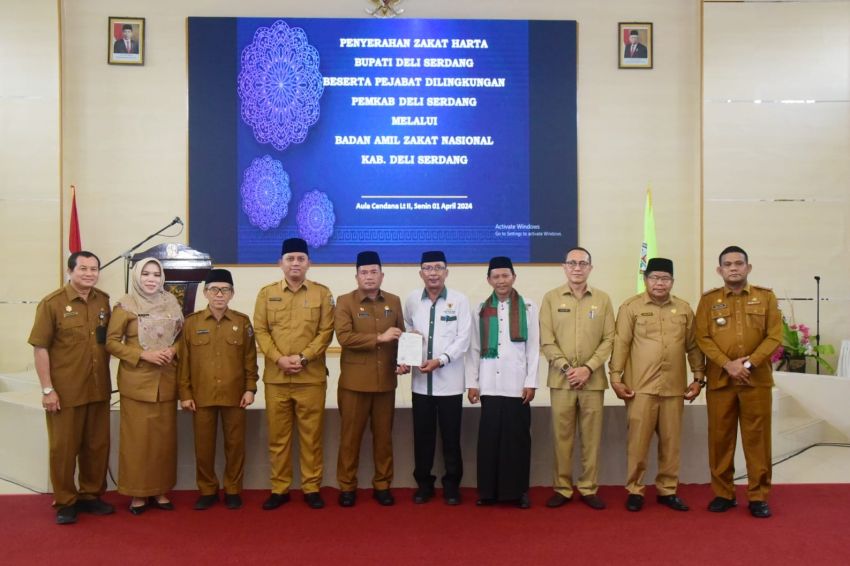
[[126, 41], [635, 45]]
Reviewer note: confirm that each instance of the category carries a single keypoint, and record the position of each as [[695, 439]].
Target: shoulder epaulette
[[54, 294], [193, 314], [317, 284], [101, 291], [240, 314], [710, 291], [269, 285], [770, 289]]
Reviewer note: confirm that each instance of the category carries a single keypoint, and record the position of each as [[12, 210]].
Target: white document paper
[[410, 349]]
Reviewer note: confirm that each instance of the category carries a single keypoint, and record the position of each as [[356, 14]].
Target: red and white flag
[[74, 243]]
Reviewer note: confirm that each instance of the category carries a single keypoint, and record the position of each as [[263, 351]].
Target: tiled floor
[[822, 464]]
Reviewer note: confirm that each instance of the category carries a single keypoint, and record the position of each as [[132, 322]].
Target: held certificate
[[410, 349]]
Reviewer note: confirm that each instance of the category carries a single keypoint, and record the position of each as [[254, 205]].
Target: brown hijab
[[159, 313]]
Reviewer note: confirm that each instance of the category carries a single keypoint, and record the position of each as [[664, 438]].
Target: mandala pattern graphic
[[280, 85], [316, 218], [265, 192]]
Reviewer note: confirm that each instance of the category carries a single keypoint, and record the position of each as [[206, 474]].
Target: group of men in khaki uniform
[[735, 330]]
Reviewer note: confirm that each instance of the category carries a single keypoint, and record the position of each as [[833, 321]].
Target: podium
[[185, 269]]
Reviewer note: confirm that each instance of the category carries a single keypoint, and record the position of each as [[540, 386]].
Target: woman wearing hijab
[[142, 334]]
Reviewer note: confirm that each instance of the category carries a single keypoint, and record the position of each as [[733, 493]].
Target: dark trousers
[[504, 448], [428, 412]]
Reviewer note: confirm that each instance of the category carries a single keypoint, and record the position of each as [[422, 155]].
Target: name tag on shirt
[[203, 331], [275, 299], [363, 315], [564, 310], [447, 318], [71, 313]]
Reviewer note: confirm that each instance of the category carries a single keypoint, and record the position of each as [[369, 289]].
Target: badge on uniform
[[202, 331], [70, 314], [592, 314], [235, 328], [646, 314], [387, 312], [718, 306], [753, 302], [250, 331], [672, 311], [363, 315], [332, 301], [720, 321], [275, 299], [563, 308]]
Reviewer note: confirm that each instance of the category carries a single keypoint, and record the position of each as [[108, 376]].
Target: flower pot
[[795, 364]]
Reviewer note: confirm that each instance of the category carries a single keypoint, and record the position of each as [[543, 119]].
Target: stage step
[[793, 429]]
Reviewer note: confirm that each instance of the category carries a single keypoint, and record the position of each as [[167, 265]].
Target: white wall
[[29, 169], [777, 174]]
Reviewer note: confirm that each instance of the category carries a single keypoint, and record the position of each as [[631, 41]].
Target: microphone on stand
[[817, 322], [177, 221]]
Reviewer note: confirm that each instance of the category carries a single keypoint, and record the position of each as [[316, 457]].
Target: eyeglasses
[[572, 264], [435, 268], [223, 291], [660, 279]]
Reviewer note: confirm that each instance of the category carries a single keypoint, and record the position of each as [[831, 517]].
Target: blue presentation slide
[[394, 135]]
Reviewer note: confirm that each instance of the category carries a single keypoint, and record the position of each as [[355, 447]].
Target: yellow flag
[[649, 247]]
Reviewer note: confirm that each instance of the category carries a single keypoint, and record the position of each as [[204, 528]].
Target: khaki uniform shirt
[[137, 379], [576, 332], [650, 345], [66, 325], [366, 365], [294, 323], [730, 326], [218, 359]]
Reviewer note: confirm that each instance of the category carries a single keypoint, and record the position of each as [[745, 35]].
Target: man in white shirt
[[501, 372], [443, 318]]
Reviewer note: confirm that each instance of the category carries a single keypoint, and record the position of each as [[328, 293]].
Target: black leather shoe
[[138, 509], [384, 497], [314, 500], [485, 502], [232, 500], [347, 498], [452, 498], [524, 502], [165, 505], [204, 502], [721, 504], [634, 502], [759, 509], [673, 502], [275, 500], [66, 515], [423, 495], [94, 506], [593, 501], [557, 500]]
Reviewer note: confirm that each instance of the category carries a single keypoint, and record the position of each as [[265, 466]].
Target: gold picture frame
[[635, 45], [126, 41]]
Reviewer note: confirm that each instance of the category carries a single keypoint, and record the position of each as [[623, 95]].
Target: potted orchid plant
[[797, 347]]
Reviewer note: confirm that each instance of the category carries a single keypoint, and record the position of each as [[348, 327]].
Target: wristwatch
[[748, 365], [701, 382], [47, 391], [303, 360]]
